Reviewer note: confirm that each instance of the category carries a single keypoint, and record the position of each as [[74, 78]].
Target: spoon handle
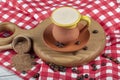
[[5, 47]]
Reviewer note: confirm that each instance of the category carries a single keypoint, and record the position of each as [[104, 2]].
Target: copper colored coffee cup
[[68, 24]]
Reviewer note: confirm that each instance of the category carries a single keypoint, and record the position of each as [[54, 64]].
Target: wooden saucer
[[51, 42], [95, 46]]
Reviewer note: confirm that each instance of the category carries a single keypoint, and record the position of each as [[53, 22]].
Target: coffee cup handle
[[84, 23], [86, 18]]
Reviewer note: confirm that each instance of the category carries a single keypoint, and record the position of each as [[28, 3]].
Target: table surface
[[7, 75]]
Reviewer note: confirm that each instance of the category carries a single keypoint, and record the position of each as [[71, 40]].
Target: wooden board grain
[[95, 46]]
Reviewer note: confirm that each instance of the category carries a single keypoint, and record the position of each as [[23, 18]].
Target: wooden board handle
[[7, 26]]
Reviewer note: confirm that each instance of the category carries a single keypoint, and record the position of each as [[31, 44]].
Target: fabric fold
[[27, 14]]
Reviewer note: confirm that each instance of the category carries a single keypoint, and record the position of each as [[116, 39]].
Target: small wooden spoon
[[21, 42], [17, 40]]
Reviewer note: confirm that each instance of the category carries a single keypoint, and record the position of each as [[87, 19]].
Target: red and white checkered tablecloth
[[28, 13]]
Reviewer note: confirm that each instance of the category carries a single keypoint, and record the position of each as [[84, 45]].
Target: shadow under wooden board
[[92, 49]]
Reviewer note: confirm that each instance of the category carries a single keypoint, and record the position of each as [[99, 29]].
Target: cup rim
[[66, 25]]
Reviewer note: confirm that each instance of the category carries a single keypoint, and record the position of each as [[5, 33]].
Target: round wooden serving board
[[95, 46]]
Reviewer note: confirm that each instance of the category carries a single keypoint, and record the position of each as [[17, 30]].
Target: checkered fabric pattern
[[28, 13]]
